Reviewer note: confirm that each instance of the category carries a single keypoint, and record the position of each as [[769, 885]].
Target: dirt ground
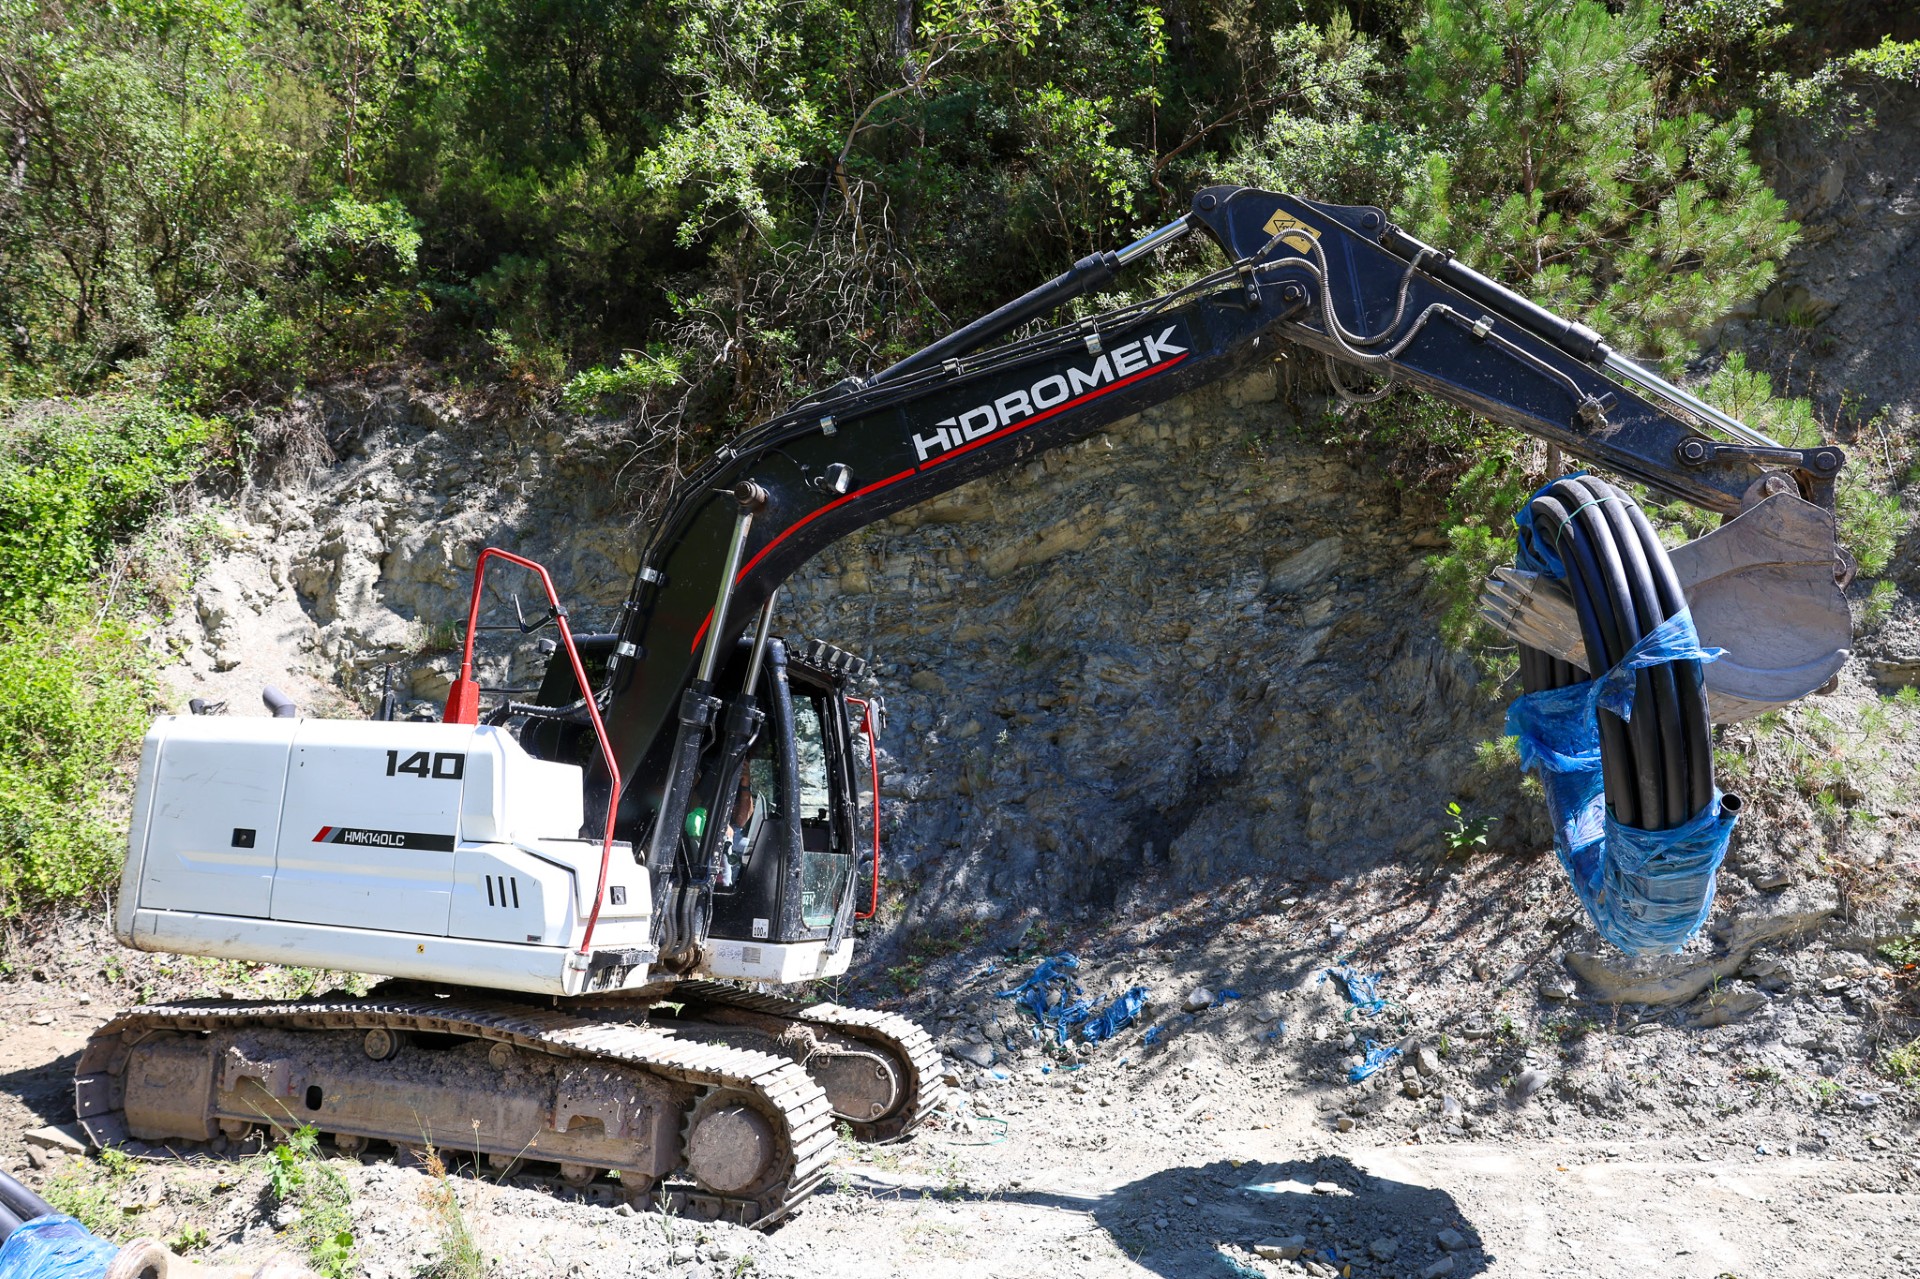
[[1743, 1131]]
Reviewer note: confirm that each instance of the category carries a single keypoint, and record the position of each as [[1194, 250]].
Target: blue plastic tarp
[[54, 1247], [1646, 891]]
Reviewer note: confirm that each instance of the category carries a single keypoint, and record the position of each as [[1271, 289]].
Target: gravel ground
[[1525, 1126]]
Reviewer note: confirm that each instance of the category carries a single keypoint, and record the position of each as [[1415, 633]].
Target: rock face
[[1831, 313], [1191, 648]]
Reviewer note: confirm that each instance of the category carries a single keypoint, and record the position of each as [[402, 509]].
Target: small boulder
[[980, 1055], [1528, 1082]]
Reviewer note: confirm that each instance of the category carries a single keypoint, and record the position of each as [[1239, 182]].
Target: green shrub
[[76, 480], [75, 696], [635, 375], [76, 684], [253, 350]]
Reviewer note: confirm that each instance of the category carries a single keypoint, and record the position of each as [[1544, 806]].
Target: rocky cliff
[[1192, 648]]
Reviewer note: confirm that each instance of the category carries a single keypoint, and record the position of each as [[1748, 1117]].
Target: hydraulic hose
[[1657, 767], [1617, 593], [1689, 682]]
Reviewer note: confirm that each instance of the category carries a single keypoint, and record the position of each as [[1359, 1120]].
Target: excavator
[[579, 903]]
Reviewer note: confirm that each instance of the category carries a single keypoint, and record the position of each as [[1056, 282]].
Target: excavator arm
[[1338, 279]]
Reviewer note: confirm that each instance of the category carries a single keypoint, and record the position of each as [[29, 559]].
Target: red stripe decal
[[989, 438], [321, 838]]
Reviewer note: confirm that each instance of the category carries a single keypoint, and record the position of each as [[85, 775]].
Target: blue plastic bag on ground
[[1374, 1058], [1116, 1017], [1646, 891], [1362, 990], [54, 1247]]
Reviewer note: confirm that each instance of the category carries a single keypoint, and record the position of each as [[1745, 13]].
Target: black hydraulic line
[[1613, 598], [1534, 674], [1576, 339], [1689, 683], [1089, 272], [1616, 751], [22, 1202], [1620, 748]]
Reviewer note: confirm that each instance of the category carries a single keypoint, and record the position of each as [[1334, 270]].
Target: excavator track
[[900, 1041], [709, 1129]]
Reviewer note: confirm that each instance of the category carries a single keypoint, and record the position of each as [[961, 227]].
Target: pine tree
[[1555, 163]]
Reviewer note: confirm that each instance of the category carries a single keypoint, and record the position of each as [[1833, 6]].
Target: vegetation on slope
[[669, 216]]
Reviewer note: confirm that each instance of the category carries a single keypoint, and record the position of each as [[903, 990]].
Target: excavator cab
[[784, 873], [769, 838]]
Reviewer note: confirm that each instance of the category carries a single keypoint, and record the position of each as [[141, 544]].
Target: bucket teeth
[[1533, 610]]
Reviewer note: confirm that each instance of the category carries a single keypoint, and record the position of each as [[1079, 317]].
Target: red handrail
[[873, 763], [463, 706]]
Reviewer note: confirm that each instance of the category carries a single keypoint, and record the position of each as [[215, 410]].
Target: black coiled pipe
[[1657, 768], [23, 1203]]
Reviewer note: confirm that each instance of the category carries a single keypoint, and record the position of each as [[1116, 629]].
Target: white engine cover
[[435, 851]]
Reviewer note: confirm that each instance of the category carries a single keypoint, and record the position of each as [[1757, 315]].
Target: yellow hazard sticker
[[1297, 235]]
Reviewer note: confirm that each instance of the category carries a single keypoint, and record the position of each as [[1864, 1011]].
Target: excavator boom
[[1337, 279]]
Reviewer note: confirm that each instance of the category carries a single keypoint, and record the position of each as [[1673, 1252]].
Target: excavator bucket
[[1761, 586]]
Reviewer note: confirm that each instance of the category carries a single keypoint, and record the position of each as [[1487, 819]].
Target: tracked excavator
[[577, 900]]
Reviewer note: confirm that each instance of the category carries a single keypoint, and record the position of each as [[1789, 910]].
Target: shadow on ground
[[45, 1090], [1190, 1222], [1178, 1221]]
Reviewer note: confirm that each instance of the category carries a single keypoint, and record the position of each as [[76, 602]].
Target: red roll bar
[[463, 707]]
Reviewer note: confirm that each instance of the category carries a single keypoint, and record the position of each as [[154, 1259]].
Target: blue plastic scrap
[[1362, 990], [1116, 1016], [1152, 1037], [1225, 995], [1038, 992], [1375, 1058], [54, 1247], [1055, 999], [1646, 891]]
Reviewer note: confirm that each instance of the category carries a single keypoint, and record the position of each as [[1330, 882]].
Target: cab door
[[797, 870]]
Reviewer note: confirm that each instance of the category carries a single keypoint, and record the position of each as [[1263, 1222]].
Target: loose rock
[[1529, 1082]]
